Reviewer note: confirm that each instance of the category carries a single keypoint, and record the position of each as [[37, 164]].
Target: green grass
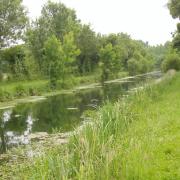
[[137, 138], [13, 90]]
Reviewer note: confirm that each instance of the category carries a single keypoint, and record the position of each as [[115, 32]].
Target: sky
[[147, 20]]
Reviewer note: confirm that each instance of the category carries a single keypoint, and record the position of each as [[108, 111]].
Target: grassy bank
[[11, 91], [135, 138]]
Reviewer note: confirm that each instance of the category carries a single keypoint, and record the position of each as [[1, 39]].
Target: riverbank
[[41, 91], [135, 138], [12, 93]]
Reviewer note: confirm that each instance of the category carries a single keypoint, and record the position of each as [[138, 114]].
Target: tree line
[[58, 46]]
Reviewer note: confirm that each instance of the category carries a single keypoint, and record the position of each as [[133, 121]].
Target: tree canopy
[[12, 21], [174, 7], [58, 45]]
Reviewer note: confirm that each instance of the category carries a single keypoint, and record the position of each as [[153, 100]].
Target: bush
[[20, 90], [13, 57], [4, 95], [172, 61], [33, 92], [1, 76]]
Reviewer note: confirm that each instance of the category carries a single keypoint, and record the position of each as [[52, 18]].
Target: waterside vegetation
[[135, 138], [59, 52]]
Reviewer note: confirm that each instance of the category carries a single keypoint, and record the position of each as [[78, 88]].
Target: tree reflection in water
[[4, 118], [9, 136]]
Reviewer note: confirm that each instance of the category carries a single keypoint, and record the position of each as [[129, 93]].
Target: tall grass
[[135, 138]]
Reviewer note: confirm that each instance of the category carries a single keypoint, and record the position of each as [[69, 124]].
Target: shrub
[[33, 92], [20, 90], [1, 76], [5, 95], [172, 61]]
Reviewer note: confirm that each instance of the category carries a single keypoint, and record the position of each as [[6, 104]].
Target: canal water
[[61, 113]]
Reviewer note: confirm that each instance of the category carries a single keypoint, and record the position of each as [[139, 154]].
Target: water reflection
[[57, 113], [12, 132]]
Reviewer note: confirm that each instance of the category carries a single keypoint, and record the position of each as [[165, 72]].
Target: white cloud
[[148, 20]]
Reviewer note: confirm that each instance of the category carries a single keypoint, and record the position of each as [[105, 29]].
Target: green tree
[[12, 21], [54, 56], [140, 63], [30, 66], [56, 19], [60, 57], [87, 42], [59, 19], [131, 55], [70, 53], [13, 60], [176, 39], [124, 47], [172, 61], [174, 7], [158, 53], [107, 61]]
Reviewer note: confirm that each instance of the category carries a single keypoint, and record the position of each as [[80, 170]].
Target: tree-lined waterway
[[61, 113]]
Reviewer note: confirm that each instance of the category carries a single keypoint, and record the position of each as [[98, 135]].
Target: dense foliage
[[171, 61], [12, 21], [174, 7], [158, 52], [171, 58], [57, 45], [59, 57]]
